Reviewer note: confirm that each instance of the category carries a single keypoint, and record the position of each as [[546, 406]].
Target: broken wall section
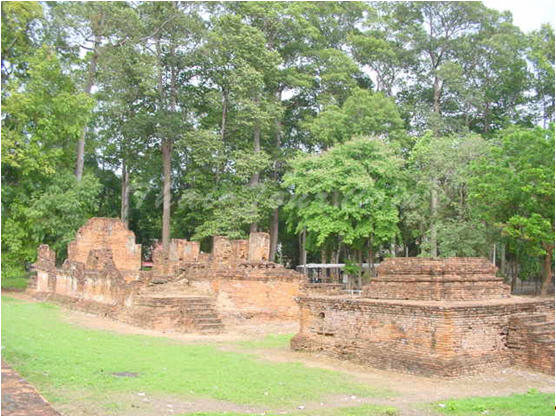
[[106, 233], [225, 253]]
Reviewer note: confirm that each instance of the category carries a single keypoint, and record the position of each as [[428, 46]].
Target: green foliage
[[41, 200], [50, 216], [513, 187], [83, 360], [443, 163], [19, 24], [43, 118], [363, 113], [348, 193], [208, 78], [533, 403], [351, 268]]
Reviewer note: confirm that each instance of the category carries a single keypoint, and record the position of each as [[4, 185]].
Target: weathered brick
[[444, 317], [105, 233], [186, 290]]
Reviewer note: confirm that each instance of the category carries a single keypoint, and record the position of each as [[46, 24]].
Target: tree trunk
[[503, 259], [513, 273], [88, 88], [371, 256], [224, 114], [166, 164], [302, 250], [437, 89], [360, 272], [274, 234], [547, 270], [125, 195], [274, 224], [323, 255], [255, 177], [434, 207]]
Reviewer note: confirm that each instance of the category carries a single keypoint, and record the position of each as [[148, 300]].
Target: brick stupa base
[[443, 317]]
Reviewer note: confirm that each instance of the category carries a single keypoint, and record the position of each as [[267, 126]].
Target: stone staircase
[[531, 340], [187, 313], [205, 317]]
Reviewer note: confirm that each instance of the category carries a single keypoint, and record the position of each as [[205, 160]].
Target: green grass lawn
[[533, 403], [14, 282], [58, 357], [70, 364]]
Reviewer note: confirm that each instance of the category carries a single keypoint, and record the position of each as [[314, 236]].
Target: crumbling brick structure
[[444, 317], [187, 290]]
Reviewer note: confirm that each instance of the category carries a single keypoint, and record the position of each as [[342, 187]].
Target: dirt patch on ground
[[409, 393], [146, 404], [19, 398]]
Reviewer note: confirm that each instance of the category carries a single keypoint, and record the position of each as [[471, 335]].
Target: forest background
[[350, 131]]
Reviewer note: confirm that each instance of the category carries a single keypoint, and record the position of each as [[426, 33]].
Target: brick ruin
[[186, 290], [442, 317]]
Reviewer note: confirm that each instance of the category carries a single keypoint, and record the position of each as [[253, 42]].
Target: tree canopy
[[347, 130]]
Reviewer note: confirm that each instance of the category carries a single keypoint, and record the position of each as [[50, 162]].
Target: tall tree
[[347, 196], [513, 189], [541, 55], [42, 118], [20, 37], [172, 29], [449, 227]]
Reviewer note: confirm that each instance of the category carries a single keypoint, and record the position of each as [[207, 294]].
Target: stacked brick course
[[437, 279], [531, 338], [427, 316]]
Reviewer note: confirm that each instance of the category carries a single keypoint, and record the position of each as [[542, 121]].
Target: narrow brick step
[[205, 326], [541, 332], [210, 327], [544, 338], [532, 318], [209, 322], [544, 325], [207, 315], [198, 309]]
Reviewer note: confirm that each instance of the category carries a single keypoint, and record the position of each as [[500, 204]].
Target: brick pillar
[[259, 247]]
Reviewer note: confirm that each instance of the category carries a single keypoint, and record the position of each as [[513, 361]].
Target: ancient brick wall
[[265, 295], [186, 291], [323, 288], [412, 336], [457, 279], [263, 290], [531, 341], [428, 316], [105, 233]]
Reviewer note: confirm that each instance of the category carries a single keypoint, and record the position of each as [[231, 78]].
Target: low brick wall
[[428, 338], [531, 339], [262, 290]]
